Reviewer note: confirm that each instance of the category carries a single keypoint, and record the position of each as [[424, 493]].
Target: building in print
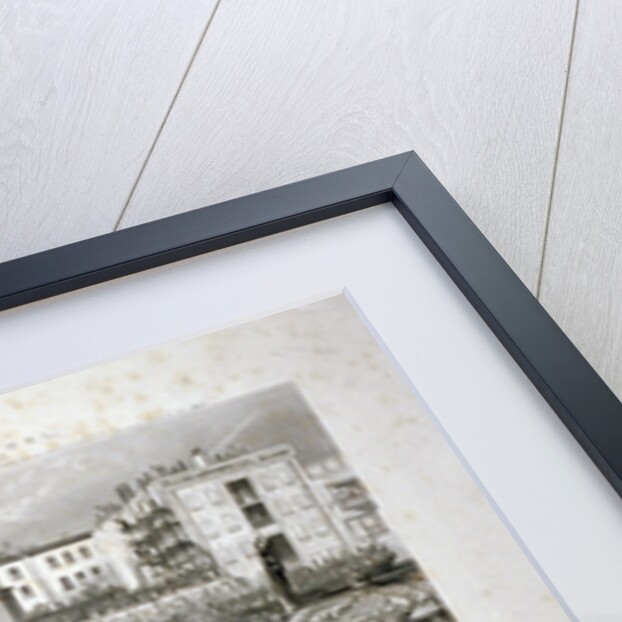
[[257, 519], [55, 576], [265, 522]]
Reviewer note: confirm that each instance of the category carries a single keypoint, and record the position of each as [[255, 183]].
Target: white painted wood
[[282, 91], [582, 276], [84, 87]]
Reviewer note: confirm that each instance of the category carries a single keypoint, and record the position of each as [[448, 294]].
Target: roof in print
[[53, 496]]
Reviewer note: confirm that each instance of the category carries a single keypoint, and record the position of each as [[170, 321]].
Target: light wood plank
[[582, 275], [281, 91], [84, 87]]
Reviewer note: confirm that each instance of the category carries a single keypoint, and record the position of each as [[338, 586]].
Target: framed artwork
[[328, 401]]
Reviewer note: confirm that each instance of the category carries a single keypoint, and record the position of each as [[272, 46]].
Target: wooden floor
[[113, 114]]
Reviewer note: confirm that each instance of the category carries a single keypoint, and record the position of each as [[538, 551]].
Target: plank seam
[[166, 115], [547, 218]]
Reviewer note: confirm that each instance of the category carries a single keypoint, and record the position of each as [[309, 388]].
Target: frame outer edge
[[120, 253], [573, 389]]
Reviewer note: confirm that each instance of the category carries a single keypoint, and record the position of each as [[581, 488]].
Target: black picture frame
[[572, 388]]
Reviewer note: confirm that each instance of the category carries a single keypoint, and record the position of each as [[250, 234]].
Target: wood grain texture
[[279, 92], [84, 87], [582, 272]]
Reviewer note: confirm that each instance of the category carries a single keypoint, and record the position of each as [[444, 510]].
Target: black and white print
[[245, 510]]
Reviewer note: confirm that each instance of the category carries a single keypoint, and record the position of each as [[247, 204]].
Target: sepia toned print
[[242, 511]]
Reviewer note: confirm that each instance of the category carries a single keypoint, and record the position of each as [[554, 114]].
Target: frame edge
[[153, 244], [569, 384]]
